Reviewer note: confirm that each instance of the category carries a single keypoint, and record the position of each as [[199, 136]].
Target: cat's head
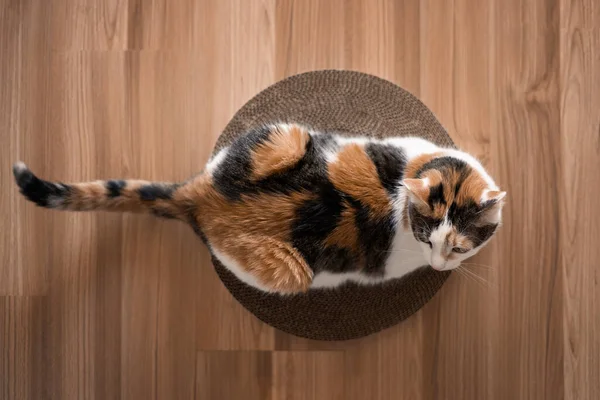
[[454, 207]]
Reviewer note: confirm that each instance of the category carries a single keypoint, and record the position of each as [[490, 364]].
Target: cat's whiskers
[[468, 274], [469, 264], [460, 272]]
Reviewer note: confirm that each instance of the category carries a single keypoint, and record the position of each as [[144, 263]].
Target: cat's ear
[[492, 202], [493, 198], [418, 189]]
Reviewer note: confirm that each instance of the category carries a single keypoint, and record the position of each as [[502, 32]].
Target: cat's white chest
[[405, 255]]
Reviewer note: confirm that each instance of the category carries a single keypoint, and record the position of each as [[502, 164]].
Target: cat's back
[[329, 197]]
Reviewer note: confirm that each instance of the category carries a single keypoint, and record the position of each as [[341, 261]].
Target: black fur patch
[[335, 259], [159, 212], [114, 187], [463, 219], [197, 230], [421, 225], [436, 195], [231, 179], [390, 162], [308, 174], [153, 192], [375, 237], [314, 221], [442, 163]]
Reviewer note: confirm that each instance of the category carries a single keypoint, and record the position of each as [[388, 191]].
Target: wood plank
[[308, 375], [309, 35], [580, 218], [21, 347], [525, 144], [390, 364], [108, 314], [11, 269], [234, 375], [22, 136], [382, 38]]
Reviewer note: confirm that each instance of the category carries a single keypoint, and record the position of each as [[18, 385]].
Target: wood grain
[[234, 375], [103, 306], [526, 111], [308, 375], [580, 218]]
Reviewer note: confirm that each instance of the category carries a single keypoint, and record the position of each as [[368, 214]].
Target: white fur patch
[[331, 156], [438, 244], [19, 167], [237, 269], [413, 147], [328, 280], [343, 141], [55, 201], [215, 161]]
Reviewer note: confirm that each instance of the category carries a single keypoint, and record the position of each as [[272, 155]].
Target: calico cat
[[287, 209]]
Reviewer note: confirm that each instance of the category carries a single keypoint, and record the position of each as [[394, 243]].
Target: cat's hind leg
[[276, 265]]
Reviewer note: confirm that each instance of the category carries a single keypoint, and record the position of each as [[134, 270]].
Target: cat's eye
[[459, 250]]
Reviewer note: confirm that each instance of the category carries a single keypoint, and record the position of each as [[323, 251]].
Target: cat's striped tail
[[112, 195]]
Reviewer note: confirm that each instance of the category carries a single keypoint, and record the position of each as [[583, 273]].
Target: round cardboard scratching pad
[[348, 103]]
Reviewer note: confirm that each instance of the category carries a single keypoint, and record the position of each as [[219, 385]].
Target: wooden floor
[[101, 306]]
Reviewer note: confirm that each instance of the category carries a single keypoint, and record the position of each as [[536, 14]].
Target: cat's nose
[[437, 262]]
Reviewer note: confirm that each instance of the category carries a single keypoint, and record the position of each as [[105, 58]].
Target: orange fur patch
[[455, 239], [439, 211], [282, 150], [462, 241], [354, 173], [471, 189], [450, 179], [274, 263], [415, 164], [87, 196], [345, 235], [265, 215], [405, 219]]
